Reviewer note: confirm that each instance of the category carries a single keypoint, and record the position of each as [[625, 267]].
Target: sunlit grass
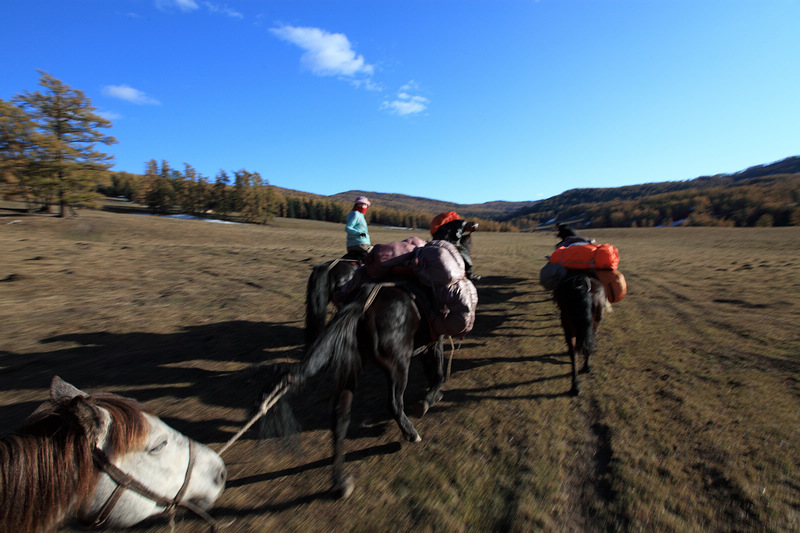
[[688, 421]]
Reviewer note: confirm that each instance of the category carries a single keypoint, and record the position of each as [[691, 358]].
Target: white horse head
[[139, 467], [162, 465]]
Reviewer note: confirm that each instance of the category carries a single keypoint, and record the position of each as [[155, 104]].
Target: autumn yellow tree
[[62, 168]]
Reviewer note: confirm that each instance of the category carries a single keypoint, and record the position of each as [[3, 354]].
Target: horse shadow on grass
[[494, 290], [225, 364], [149, 366], [493, 318]]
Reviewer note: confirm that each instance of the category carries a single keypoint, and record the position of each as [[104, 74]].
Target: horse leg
[[571, 339], [342, 485], [398, 378], [586, 368], [599, 303], [573, 355], [587, 352], [433, 361], [597, 316]]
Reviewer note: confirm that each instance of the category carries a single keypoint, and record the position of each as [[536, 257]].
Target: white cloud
[[367, 84], [406, 103], [109, 115], [183, 5], [187, 6], [326, 54], [223, 9], [129, 94]]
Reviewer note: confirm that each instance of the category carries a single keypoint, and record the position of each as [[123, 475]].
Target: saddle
[[433, 274], [423, 297], [356, 257]]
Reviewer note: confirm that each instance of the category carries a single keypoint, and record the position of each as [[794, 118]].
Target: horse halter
[[125, 482]]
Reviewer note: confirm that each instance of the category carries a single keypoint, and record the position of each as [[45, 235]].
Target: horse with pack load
[[585, 280], [399, 303]]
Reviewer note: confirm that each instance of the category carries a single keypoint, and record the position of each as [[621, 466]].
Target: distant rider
[[358, 243], [567, 236]]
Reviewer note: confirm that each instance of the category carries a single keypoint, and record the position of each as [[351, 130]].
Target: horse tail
[[337, 346], [573, 296], [317, 298]]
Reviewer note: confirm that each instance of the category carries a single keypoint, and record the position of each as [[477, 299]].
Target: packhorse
[[581, 300], [329, 277], [380, 323], [103, 460], [325, 280]]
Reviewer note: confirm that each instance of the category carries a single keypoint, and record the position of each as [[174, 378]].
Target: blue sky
[[463, 101]]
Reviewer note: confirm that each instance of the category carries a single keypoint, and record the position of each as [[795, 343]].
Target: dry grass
[[688, 421]]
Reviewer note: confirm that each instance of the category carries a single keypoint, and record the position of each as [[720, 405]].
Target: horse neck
[[42, 481]]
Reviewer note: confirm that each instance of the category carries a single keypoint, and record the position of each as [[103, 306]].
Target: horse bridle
[[125, 482]]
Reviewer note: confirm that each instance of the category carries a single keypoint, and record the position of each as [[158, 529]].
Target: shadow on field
[[497, 289], [228, 512], [383, 449], [150, 366], [493, 291], [465, 365], [224, 365], [500, 392]]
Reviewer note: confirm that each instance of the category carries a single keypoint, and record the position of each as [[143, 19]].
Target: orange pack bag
[[614, 283], [587, 257]]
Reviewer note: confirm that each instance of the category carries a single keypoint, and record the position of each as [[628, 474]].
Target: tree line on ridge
[[48, 159]]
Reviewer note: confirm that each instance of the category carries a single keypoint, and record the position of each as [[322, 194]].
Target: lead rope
[[266, 404], [283, 387], [269, 401], [452, 351]]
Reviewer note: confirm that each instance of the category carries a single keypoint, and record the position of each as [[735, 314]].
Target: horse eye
[[159, 447]]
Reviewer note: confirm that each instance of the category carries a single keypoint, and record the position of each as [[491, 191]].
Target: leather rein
[[125, 482]]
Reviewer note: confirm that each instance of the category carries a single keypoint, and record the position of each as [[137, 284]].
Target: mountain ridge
[[507, 210]]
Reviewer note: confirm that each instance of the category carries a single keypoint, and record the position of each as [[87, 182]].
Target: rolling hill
[[778, 178], [416, 204]]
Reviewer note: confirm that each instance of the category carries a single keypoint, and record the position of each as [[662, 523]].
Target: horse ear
[[101, 427], [94, 420], [61, 391]]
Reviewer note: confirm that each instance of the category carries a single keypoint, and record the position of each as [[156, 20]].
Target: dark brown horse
[[102, 459], [381, 323], [325, 280], [582, 302]]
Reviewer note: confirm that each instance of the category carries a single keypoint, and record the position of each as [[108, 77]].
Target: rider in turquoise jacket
[[358, 243]]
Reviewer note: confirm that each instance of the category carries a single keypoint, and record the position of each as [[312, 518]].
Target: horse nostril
[[222, 475]]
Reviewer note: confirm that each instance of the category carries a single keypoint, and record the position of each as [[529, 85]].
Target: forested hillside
[[489, 210], [45, 163], [764, 195]]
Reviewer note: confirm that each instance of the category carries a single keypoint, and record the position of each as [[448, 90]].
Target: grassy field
[[689, 420]]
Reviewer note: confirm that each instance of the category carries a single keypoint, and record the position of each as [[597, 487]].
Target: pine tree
[[158, 192], [221, 197], [18, 141], [67, 131]]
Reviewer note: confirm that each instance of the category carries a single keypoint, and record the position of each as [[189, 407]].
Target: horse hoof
[[425, 407], [427, 404], [343, 489], [412, 437]]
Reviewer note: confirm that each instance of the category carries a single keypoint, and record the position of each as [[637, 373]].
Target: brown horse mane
[[46, 465]]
